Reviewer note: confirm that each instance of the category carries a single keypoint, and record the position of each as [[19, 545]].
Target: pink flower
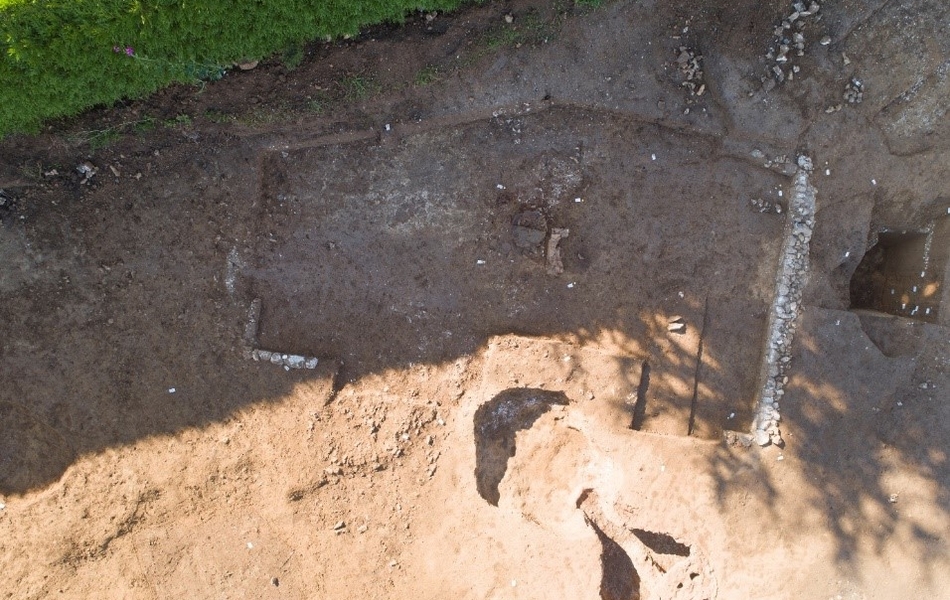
[[129, 51]]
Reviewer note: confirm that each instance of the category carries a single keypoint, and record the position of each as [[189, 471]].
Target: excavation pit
[[420, 245], [904, 274]]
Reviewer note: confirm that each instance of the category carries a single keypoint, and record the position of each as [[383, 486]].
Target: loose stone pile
[[790, 286], [854, 91], [789, 42], [690, 65]]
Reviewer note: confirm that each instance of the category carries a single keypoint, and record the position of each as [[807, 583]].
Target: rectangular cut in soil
[[399, 250]]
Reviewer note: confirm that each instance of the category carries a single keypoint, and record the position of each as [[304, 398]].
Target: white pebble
[[874, 182], [653, 156], [171, 390], [827, 171], [479, 262]]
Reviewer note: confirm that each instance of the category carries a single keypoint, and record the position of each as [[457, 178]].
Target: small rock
[[339, 525], [825, 40], [676, 325], [274, 581], [249, 65], [892, 498], [509, 18]]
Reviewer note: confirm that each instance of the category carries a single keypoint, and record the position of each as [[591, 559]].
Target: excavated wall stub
[[783, 316]]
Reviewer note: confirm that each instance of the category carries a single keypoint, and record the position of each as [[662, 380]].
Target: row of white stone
[[783, 317], [251, 351]]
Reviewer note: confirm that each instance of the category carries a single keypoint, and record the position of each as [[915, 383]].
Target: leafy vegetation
[[58, 57]]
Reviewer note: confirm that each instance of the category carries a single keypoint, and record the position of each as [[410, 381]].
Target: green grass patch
[[428, 75], [359, 87], [179, 121], [96, 139], [292, 56], [216, 116], [58, 57]]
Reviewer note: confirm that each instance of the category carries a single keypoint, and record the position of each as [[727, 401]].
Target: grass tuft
[[58, 58]]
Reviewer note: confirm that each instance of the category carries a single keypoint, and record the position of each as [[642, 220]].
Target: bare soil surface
[[534, 248]]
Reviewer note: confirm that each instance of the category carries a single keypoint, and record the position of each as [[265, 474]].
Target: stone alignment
[[783, 318]]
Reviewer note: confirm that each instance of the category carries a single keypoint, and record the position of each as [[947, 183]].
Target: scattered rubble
[[790, 286], [689, 62], [766, 206], [789, 43], [87, 170]]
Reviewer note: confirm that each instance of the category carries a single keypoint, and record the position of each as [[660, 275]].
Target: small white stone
[[295, 361], [172, 390]]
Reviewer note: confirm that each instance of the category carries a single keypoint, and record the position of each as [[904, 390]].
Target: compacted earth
[[476, 307]]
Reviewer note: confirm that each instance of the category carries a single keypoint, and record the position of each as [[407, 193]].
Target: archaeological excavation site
[[614, 300]]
